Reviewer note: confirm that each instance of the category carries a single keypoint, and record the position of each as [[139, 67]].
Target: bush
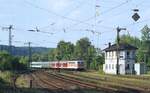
[[8, 62]]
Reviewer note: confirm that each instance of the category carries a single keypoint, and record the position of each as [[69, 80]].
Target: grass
[[22, 82], [148, 73], [6, 76]]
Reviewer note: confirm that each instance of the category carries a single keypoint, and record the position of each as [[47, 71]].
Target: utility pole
[[10, 28], [98, 39], [118, 43], [30, 53]]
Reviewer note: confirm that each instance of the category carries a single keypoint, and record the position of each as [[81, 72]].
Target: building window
[[109, 66], [127, 66], [121, 54], [106, 66], [132, 67], [112, 66], [109, 54], [133, 54], [128, 54], [112, 54]]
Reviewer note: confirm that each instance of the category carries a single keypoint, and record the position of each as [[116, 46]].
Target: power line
[[140, 3], [78, 6], [78, 21], [37, 30], [51, 12], [104, 12]]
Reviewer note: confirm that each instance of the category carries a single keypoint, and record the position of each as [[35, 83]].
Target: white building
[[126, 59], [140, 68]]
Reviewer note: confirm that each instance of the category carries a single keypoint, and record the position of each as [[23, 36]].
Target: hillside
[[23, 51]]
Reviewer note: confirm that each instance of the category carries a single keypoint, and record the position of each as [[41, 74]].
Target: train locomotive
[[68, 65]]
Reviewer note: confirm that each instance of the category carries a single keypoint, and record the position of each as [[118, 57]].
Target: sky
[[70, 20]]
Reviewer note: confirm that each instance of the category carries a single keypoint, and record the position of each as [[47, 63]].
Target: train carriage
[[59, 64]]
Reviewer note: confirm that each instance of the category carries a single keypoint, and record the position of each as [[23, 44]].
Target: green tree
[[24, 60], [8, 62], [97, 62], [36, 57], [130, 40], [146, 43], [85, 51], [65, 50], [5, 61], [52, 55]]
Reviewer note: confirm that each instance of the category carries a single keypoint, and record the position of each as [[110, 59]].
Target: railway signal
[[118, 42], [136, 16]]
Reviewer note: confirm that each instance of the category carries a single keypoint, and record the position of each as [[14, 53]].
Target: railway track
[[103, 80], [84, 84], [123, 86], [109, 88], [38, 83], [80, 84], [59, 83], [51, 84]]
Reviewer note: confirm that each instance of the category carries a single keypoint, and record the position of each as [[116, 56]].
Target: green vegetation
[[5, 79], [8, 62], [9, 66]]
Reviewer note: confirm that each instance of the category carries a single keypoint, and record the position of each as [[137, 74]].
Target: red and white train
[[76, 65]]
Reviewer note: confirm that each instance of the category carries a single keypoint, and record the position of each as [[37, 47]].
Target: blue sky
[[67, 20]]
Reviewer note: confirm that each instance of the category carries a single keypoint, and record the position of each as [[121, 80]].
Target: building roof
[[123, 46]]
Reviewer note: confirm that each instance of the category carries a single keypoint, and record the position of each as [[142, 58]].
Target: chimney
[[109, 44]]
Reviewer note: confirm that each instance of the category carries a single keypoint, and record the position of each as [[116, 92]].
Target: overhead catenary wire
[[109, 10], [139, 4], [78, 21], [51, 12], [104, 12], [81, 4]]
